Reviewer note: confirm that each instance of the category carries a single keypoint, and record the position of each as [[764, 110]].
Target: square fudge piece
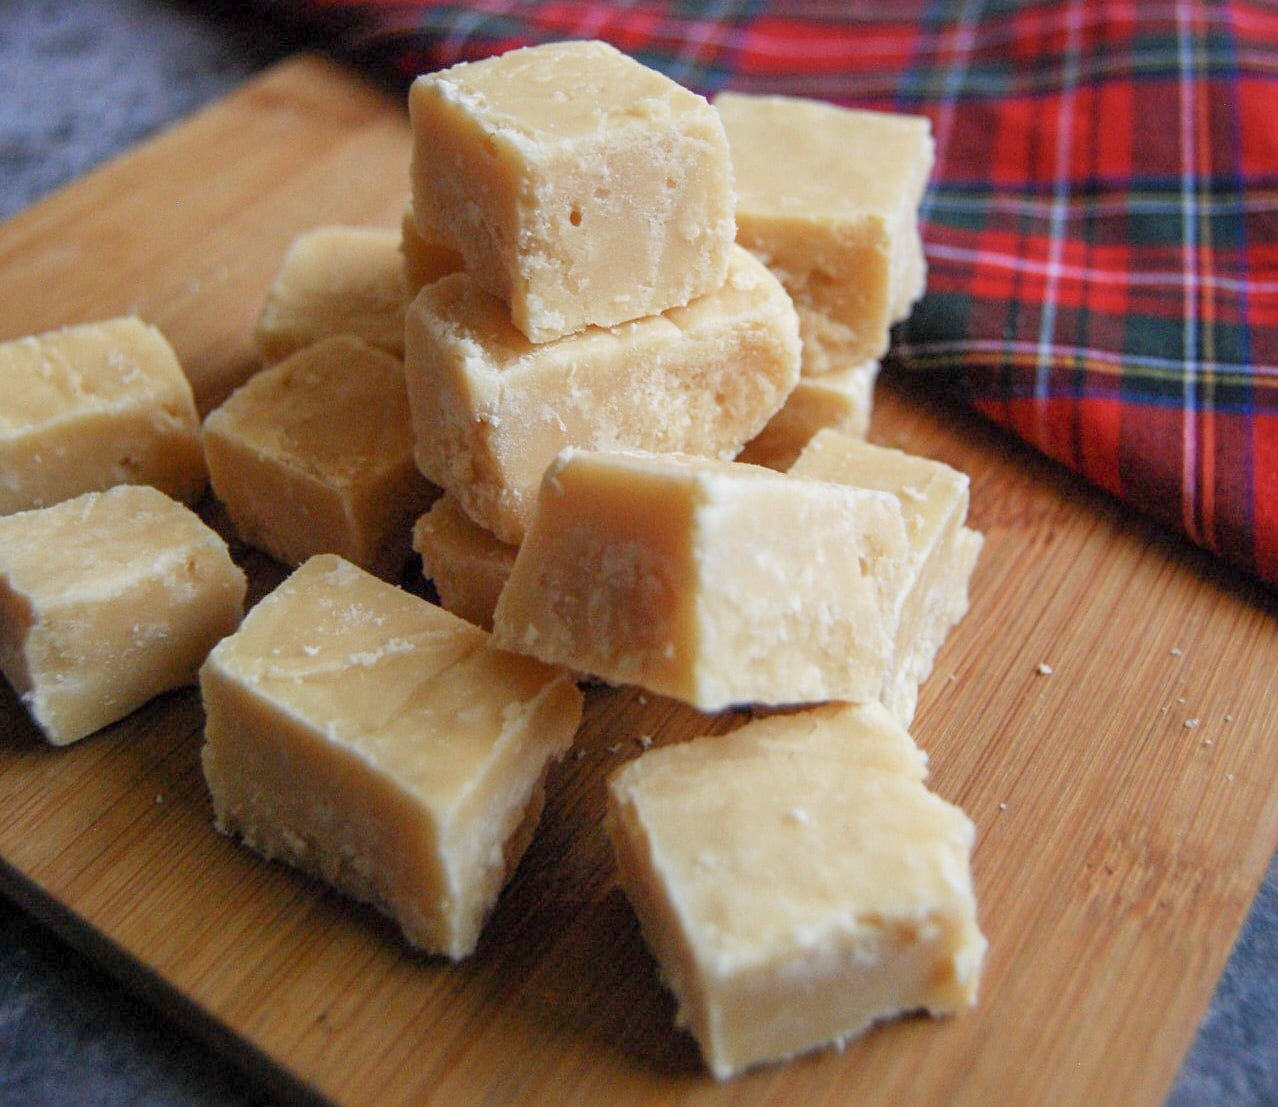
[[797, 882], [931, 596], [91, 406], [315, 455], [713, 582], [580, 186], [424, 261], [468, 565], [828, 197], [842, 400], [491, 410], [107, 600], [376, 741], [336, 280]]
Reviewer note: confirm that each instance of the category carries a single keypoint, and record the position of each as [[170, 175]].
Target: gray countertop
[[77, 86]]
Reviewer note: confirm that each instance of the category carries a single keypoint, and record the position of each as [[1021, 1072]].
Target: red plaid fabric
[[1102, 224]]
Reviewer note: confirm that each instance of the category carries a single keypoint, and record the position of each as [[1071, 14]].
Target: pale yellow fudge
[[315, 455], [376, 741], [424, 261], [491, 410], [336, 280], [932, 595], [91, 406], [713, 582], [580, 186], [468, 565], [797, 882], [828, 197], [843, 400], [829, 345], [107, 600]]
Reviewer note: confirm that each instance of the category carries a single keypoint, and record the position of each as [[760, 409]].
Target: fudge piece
[[713, 582], [468, 566], [828, 197], [336, 280], [797, 882], [491, 410], [107, 600], [931, 595], [580, 186], [842, 400], [376, 741], [315, 455], [424, 261], [91, 406], [829, 345]]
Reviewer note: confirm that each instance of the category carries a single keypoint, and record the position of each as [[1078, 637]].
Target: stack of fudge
[[611, 379]]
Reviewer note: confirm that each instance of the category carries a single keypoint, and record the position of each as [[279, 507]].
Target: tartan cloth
[[1101, 226]]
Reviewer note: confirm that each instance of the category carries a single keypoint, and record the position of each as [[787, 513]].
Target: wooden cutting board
[[1125, 803]]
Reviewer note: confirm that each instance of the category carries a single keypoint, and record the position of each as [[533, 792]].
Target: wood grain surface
[[1125, 803]]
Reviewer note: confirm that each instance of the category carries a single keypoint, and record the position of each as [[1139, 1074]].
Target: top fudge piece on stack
[[580, 186]]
